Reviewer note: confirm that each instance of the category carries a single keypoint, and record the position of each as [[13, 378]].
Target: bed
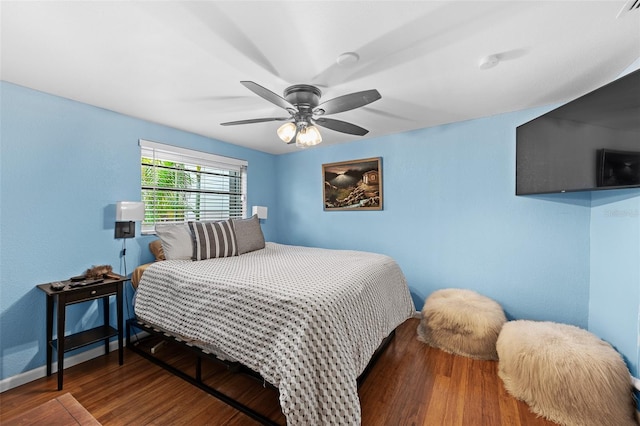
[[308, 320]]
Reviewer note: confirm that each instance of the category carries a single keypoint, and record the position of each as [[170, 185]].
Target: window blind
[[179, 185]]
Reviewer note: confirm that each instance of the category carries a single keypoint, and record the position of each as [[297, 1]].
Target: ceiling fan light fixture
[[302, 102], [286, 132], [308, 136]]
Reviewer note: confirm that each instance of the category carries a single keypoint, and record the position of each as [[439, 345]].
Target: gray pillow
[[248, 234], [176, 241], [213, 239]]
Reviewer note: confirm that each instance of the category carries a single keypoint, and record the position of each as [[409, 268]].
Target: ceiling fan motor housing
[[303, 95]]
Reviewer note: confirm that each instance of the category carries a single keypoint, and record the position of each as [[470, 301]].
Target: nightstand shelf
[[87, 337], [70, 295]]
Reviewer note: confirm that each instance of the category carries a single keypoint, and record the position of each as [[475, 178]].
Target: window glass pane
[[179, 187]]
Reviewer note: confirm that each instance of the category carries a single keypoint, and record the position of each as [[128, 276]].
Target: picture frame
[[352, 185]]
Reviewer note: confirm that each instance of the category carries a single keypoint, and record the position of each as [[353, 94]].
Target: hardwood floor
[[64, 409], [411, 384]]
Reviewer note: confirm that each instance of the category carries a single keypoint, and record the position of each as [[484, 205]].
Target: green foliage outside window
[[163, 191]]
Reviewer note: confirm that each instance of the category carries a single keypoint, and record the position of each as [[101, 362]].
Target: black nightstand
[[76, 294]]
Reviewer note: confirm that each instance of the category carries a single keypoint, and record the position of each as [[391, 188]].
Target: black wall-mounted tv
[[591, 143]]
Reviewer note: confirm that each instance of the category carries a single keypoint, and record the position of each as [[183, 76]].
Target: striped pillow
[[213, 239]]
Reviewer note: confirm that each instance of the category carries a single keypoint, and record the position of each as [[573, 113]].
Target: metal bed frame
[[201, 354]]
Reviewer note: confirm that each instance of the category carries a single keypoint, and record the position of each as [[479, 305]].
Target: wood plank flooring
[[411, 384], [61, 411]]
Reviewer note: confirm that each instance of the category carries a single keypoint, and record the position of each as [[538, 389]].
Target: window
[[179, 185]]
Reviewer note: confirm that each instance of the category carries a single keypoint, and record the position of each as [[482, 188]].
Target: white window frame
[[191, 158]]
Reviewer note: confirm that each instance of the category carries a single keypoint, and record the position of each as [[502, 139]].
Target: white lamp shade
[[129, 211], [287, 131], [260, 211], [308, 136]]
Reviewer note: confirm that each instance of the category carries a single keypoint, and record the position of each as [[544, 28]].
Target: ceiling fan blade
[[254, 120], [347, 102], [268, 95], [341, 126]]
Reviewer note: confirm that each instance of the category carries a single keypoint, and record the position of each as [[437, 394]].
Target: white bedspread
[[307, 319]]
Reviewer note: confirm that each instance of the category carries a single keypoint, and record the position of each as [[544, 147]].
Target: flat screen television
[[591, 143]]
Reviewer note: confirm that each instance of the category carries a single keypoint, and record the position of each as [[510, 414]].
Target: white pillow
[[176, 241]]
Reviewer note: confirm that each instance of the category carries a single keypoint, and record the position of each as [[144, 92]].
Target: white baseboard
[[417, 314], [40, 372], [636, 383]]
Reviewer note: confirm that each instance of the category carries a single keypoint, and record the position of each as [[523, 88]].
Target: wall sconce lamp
[[127, 213], [260, 211]]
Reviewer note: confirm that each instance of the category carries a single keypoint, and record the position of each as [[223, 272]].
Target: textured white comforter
[[307, 319]]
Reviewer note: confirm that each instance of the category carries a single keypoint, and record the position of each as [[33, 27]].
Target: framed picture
[[353, 185]]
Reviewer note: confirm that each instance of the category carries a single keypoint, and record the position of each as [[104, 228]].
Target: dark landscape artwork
[[353, 185]]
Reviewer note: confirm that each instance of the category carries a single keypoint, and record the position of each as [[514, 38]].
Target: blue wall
[[451, 218], [63, 167], [614, 300], [615, 271]]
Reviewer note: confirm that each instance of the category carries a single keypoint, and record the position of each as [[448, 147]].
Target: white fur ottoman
[[461, 322], [566, 374]]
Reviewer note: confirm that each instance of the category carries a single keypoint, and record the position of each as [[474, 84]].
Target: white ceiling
[[181, 63]]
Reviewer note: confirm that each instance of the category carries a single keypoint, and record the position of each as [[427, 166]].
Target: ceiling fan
[[302, 102]]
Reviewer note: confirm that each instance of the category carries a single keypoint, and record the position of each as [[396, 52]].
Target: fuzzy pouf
[[565, 374], [461, 322]]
